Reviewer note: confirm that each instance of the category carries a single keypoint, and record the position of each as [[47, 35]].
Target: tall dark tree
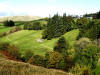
[[57, 26], [98, 15], [61, 45], [9, 23]]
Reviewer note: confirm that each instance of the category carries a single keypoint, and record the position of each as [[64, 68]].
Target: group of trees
[[33, 26], [57, 26], [93, 15], [9, 23], [89, 28]]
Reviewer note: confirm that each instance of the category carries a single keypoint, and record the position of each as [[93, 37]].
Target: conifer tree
[[61, 45]]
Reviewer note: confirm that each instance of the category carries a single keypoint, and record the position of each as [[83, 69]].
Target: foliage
[[53, 59], [88, 56], [3, 34], [82, 23], [4, 45], [57, 26], [91, 30], [15, 29], [34, 25], [14, 51], [98, 15], [9, 23], [69, 62], [80, 70], [28, 54], [82, 43], [61, 45], [37, 60]]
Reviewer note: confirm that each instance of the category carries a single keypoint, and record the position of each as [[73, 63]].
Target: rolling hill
[[20, 18]]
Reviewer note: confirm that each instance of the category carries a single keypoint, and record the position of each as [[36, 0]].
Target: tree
[[9, 23], [61, 45], [57, 26], [82, 23], [98, 15]]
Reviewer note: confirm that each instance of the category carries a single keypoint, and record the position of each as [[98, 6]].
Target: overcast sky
[[44, 8]]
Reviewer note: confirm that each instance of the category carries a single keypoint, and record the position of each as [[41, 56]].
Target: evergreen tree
[[61, 45], [98, 15]]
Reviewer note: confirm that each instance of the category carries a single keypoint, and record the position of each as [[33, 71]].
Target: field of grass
[[4, 29], [28, 40], [10, 67]]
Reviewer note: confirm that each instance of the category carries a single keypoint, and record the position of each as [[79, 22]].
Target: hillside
[[31, 40], [10, 67], [20, 18]]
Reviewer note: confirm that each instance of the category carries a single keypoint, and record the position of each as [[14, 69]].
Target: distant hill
[[20, 18], [10, 67]]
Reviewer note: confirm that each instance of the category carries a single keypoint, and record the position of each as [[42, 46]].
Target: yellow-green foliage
[[53, 59], [80, 70]]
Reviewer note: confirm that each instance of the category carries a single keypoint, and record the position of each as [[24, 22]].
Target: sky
[[44, 8]]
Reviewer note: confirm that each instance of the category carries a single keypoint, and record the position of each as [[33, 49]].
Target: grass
[[4, 29], [10, 67], [27, 40]]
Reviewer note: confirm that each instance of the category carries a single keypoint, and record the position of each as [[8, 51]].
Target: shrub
[[4, 46], [28, 54], [14, 51], [69, 63], [82, 43], [80, 70], [3, 34], [88, 56], [39, 60], [15, 29], [52, 59]]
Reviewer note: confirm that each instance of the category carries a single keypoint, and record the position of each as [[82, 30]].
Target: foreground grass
[[9, 67], [27, 40]]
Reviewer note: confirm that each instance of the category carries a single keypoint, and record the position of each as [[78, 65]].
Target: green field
[[27, 40], [4, 29]]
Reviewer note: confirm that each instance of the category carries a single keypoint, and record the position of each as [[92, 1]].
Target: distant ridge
[[20, 18]]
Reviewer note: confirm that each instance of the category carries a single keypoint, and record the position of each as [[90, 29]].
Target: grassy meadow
[[28, 40]]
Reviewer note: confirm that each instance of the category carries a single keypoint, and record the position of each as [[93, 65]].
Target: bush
[[88, 56], [82, 43], [4, 46], [14, 51], [69, 63], [53, 59], [3, 34], [80, 70], [28, 54], [15, 29]]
